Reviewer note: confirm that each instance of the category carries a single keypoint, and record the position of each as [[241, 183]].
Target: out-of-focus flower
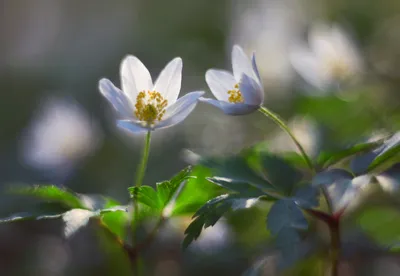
[[268, 27], [143, 106], [238, 93], [61, 135], [306, 132], [331, 59]]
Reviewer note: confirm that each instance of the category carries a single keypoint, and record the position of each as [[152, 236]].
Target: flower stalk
[[139, 179], [274, 117]]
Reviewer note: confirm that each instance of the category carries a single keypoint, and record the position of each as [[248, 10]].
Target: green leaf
[[195, 193], [326, 159], [212, 211], [240, 187], [307, 197], [382, 224], [163, 195], [50, 193], [367, 162], [281, 174], [285, 214], [341, 187], [28, 216], [238, 168]]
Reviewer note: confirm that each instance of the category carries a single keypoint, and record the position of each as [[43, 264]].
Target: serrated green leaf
[[237, 168], [326, 159], [31, 216], [367, 162], [307, 197], [285, 214], [240, 187], [281, 174], [49, 193], [195, 193], [146, 195], [212, 211], [163, 195], [341, 187]]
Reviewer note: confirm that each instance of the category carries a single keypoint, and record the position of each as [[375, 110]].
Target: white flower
[[61, 134], [330, 60], [238, 93], [143, 106]]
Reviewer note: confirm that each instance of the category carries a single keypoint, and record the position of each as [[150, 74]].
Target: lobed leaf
[[367, 162], [50, 193], [212, 211]]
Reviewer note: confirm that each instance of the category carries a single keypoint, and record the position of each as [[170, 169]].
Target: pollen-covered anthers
[[235, 96], [150, 106]]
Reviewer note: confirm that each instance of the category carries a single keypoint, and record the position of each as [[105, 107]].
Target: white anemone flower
[[61, 135], [332, 59], [238, 93], [142, 106]]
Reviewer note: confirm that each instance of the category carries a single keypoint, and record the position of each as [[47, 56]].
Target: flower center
[[235, 96], [150, 106], [338, 68]]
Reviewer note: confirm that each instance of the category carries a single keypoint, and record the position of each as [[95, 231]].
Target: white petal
[[322, 42], [220, 82], [231, 108], [308, 66], [169, 81], [251, 90], [115, 96], [241, 64], [177, 112], [134, 77], [132, 126], [255, 68]]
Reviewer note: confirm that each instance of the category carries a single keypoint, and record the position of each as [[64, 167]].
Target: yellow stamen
[[235, 96], [150, 106], [339, 69]]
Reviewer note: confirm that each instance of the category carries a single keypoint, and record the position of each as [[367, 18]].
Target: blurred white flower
[[238, 93], [306, 132], [60, 135], [143, 106], [330, 60], [268, 27]]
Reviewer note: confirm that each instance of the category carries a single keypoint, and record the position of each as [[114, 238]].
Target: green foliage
[[240, 187], [326, 159], [369, 161], [165, 192], [50, 193], [195, 193], [266, 172], [212, 211], [284, 215]]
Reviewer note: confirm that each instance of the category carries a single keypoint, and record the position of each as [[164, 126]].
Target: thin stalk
[[139, 179], [274, 117], [335, 247]]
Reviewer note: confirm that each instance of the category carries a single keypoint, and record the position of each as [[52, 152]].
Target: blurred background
[[53, 53]]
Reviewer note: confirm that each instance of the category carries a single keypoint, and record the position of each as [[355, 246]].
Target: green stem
[[285, 128], [143, 164], [139, 179]]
